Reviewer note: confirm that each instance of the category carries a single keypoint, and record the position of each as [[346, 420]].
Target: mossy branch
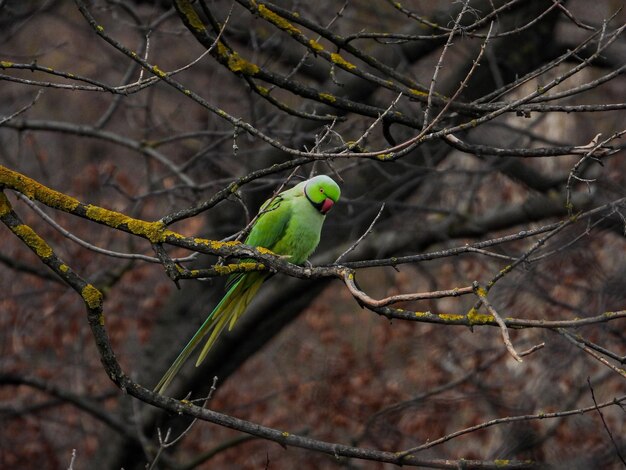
[[158, 233]]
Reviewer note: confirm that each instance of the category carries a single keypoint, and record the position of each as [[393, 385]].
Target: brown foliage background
[[337, 372]]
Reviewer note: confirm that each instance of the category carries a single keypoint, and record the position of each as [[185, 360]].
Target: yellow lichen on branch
[[419, 93], [278, 20], [235, 62], [190, 15], [215, 244], [238, 268], [5, 205], [32, 240], [91, 296], [327, 97], [158, 72], [481, 292], [316, 46], [339, 60], [34, 190], [476, 318], [451, 317], [153, 231]]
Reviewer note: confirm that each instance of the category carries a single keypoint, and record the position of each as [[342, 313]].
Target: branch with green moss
[[236, 122], [157, 233], [233, 61], [239, 65], [283, 19]]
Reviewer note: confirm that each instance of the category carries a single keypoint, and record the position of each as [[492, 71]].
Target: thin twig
[[164, 442], [366, 300], [572, 339], [593, 149], [606, 426], [89, 246], [462, 86], [481, 293], [433, 80], [22, 109], [362, 237], [363, 136], [511, 419], [72, 460], [536, 347]]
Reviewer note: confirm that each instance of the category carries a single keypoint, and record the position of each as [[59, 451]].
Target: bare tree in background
[[465, 308]]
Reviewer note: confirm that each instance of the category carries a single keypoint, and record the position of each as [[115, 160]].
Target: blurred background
[[80, 115]]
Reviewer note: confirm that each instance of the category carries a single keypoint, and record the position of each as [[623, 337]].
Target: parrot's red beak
[[327, 205]]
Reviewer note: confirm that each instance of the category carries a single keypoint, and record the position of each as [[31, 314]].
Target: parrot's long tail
[[227, 312]]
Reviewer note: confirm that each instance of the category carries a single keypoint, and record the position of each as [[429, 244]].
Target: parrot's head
[[322, 192]]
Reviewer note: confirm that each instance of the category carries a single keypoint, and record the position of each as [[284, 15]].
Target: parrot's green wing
[[271, 224], [268, 229]]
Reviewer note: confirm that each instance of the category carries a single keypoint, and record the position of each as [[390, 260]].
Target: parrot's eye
[[321, 190]]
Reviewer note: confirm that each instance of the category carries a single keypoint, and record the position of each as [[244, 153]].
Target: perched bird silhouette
[[289, 225]]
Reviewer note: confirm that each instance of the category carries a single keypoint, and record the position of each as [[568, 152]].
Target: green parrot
[[289, 225]]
